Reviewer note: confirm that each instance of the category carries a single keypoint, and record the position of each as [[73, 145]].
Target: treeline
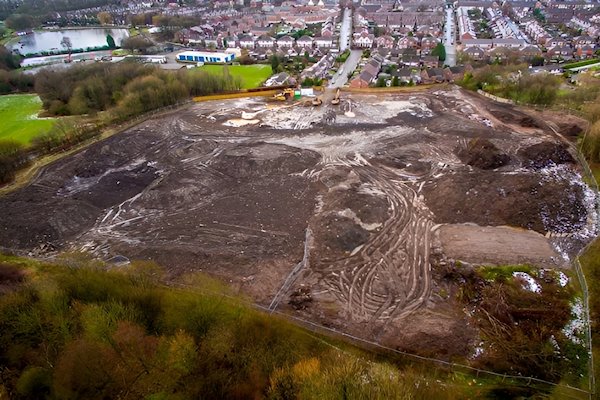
[[12, 81], [125, 89], [41, 7], [118, 91], [514, 82], [12, 157], [83, 332]]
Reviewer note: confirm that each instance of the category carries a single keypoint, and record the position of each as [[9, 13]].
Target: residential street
[[450, 38], [340, 79], [346, 30]]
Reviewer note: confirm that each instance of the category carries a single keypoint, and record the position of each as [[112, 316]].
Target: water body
[[49, 41]]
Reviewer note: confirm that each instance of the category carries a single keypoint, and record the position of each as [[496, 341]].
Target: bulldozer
[[284, 95], [336, 99]]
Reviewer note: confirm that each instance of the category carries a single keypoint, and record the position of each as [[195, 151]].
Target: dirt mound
[[262, 159], [340, 234], [511, 116], [488, 198], [570, 130], [483, 154], [544, 154]]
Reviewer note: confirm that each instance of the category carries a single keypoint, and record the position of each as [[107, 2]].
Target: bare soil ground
[[497, 245], [332, 216]]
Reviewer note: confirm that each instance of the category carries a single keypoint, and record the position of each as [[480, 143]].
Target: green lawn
[[18, 113], [252, 75]]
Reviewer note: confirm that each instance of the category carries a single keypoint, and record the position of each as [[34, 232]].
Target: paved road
[[346, 30], [450, 38], [340, 79]]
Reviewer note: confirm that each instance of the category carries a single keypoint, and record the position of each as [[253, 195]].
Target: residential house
[[363, 39], [247, 42], [305, 42], [408, 42], [509, 42], [405, 75], [555, 42], [428, 43], [582, 41], [363, 80], [285, 42], [409, 60], [585, 52], [432, 75], [530, 52], [475, 53], [548, 69], [323, 41], [431, 61], [265, 41], [385, 41], [279, 79], [560, 52], [484, 44]]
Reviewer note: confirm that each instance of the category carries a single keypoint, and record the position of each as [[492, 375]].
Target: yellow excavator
[[336, 99], [284, 95]]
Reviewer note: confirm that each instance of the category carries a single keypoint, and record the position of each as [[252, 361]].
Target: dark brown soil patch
[[544, 154], [483, 154], [488, 198]]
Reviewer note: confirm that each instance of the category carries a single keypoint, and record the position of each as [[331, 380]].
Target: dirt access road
[[333, 216]]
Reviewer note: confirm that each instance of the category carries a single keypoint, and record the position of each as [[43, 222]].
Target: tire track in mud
[[389, 277]]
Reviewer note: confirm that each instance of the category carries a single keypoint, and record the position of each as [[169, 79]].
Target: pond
[[81, 39]]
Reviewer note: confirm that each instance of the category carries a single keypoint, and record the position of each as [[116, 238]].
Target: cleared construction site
[[343, 210]]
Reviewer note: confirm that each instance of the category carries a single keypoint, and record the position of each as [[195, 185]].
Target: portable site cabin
[[205, 57]]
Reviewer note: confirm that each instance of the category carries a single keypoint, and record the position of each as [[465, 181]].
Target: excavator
[[336, 99], [284, 95]]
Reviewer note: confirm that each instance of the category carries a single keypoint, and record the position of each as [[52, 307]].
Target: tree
[[380, 82], [105, 18], [275, 63], [20, 22], [66, 43], [110, 41], [439, 51], [11, 157], [395, 81], [134, 43], [537, 61], [7, 59]]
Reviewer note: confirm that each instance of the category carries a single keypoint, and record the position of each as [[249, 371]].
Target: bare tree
[[66, 43]]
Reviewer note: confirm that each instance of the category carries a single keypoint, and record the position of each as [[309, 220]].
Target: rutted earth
[[337, 217]]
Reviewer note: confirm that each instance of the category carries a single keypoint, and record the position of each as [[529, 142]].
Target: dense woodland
[[12, 81], [40, 7]]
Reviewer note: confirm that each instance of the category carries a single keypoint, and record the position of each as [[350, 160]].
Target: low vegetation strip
[[581, 63], [19, 116], [119, 334]]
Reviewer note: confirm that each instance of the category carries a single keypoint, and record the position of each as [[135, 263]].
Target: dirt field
[[336, 214]]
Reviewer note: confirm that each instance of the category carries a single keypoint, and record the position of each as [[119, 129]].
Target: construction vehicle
[[317, 101], [336, 99], [284, 95]]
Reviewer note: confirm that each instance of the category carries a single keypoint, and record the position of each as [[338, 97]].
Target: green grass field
[[252, 75], [18, 113]]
